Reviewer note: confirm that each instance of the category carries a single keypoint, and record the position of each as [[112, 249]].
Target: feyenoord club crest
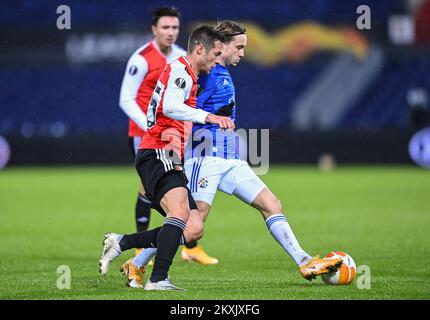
[[180, 83]]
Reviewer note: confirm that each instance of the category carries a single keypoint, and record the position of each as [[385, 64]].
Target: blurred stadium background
[[327, 91], [321, 85]]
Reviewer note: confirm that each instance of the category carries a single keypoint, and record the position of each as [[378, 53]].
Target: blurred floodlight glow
[[419, 148], [4, 152]]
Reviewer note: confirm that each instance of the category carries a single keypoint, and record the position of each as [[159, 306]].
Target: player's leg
[[142, 208], [204, 209], [157, 181], [134, 268], [114, 244], [242, 182], [198, 254], [196, 171], [174, 202], [193, 231], [169, 188], [166, 238], [271, 209], [249, 188], [143, 258]]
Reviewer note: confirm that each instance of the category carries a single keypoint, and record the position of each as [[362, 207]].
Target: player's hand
[[223, 122]]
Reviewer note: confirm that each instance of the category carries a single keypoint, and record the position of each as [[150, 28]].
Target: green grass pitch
[[379, 215]]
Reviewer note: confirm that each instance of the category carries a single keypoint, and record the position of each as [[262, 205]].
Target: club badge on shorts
[[203, 183]]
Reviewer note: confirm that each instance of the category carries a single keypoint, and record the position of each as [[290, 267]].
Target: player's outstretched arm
[[174, 108], [177, 89]]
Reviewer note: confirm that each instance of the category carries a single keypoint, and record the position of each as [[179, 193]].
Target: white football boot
[[163, 285], [111, 250]]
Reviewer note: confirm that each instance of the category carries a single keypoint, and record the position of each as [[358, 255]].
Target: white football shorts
[[206, 175]]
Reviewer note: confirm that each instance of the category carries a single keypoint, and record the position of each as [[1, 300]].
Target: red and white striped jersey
[[143, 70], [171, 109]]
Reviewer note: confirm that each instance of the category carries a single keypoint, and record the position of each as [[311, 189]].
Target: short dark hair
[[229, 29], [164, 12], [204, 35]]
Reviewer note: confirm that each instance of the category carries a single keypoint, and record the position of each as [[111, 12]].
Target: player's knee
[[193, 234], [175, 203], [180, 213], [197, 230], [273, 206], [277, 206], [194, 229]]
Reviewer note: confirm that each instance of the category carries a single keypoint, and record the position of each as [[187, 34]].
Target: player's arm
[[176, 92], [136, 70]]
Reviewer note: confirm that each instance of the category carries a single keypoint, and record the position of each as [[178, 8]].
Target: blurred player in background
[[159, 159], [218, 167], [142, 72]]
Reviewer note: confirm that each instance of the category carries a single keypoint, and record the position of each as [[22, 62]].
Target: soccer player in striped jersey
[[217, 166], [142, 72], [159, 160]]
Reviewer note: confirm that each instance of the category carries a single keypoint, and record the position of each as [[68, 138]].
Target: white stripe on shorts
[[161, 155], [169, 162]]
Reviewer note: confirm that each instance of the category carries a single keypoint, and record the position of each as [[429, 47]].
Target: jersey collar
[[221, 67], [190, 71], [154, 43]]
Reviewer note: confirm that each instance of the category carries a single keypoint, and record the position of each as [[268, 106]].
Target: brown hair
[[229, 29], [204, 35]]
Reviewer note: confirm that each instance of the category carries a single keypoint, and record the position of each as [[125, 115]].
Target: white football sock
[[143, 258], [281, 231]]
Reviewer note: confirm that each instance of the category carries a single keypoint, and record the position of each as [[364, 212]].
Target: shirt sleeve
[[177, 91], [136, 70]]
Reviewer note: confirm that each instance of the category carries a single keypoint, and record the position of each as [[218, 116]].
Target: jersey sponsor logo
[[225, 83], [180, 83], [132, 70]]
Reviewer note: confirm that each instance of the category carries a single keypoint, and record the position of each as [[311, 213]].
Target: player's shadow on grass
[[308, 285]]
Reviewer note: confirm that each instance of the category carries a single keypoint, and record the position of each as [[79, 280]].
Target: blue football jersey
[[215, 95]]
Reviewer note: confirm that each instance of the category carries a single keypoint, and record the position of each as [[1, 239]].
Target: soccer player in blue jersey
[[217, 166]]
